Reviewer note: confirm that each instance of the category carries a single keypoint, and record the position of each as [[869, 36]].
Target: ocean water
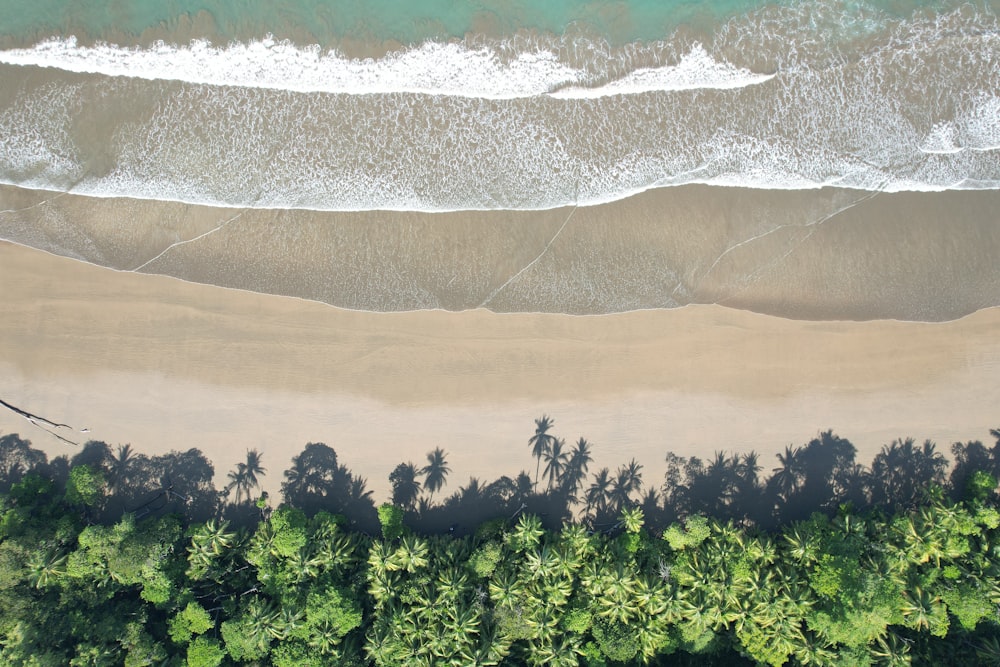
[[438, 106], [327, 22], [820, 159]]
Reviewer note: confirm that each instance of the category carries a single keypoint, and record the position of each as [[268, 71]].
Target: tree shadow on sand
[[176, 482], [317, 482], [17, 459], [971, 457], [820, 476]]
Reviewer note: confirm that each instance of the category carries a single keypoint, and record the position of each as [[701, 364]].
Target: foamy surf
[[432, 68], [537, 121], [696, 70]]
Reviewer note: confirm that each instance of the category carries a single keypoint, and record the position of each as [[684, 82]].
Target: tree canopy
[[897, 563]]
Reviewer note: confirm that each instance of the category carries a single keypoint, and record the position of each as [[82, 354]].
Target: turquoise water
[[405, 21], [401, 20]]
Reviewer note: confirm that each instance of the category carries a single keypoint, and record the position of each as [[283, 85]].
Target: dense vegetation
[[113, 558]]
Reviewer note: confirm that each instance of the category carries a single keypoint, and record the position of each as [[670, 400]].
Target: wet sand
[[165, 364], [826, 254]]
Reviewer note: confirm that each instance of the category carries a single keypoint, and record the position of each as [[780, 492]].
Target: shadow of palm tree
[[728, 487], [317, 482], [18, 458], [172, 483], [902, 472], [970, 457]]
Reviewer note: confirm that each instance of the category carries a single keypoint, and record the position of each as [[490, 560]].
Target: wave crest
[[432, 68]]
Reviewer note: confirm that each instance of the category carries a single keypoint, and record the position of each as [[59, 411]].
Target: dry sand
[[165, 364]]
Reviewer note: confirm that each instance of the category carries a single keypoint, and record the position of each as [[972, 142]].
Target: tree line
[[112, 557]]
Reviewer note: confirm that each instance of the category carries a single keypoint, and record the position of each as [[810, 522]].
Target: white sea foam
[[915, 109], [941, 140], [980, 128], [696, 70], [432, 68]]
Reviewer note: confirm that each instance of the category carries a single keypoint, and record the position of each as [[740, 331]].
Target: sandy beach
[[165, 364], [813, 254]]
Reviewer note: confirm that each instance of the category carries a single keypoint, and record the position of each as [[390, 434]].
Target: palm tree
[[44, 567], [527, 533], [411, 555], [541, 441], [632, 519], [436, 471], [405, 486], [208, 542], [555, 461], [262, 618]]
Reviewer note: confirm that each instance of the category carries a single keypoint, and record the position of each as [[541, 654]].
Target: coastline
[[812, 254], [165, 364]]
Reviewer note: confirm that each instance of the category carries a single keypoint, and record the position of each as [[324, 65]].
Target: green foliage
[[592, 655], [760, 646], [980, 485], [988, 517], [695, 531], [330, 614], [632, 519], [834, 574], [485, 559], [128, 554], [526, 534], [141, 648], [617, 641], [289, 526], [85, 486], [245, 639], [969, 604], [578, 621], [30, 489], [192, 620], [205, 652], [630, 542], [391, 519], [854, 589], [295, 652]]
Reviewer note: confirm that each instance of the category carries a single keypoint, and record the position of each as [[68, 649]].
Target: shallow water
[[794, 97], [466, 107]]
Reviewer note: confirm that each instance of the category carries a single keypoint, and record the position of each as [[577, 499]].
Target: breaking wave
[[787, 97], [432, 68]]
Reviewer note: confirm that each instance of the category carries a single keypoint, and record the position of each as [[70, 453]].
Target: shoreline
[[811, 255], [165, 364]]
